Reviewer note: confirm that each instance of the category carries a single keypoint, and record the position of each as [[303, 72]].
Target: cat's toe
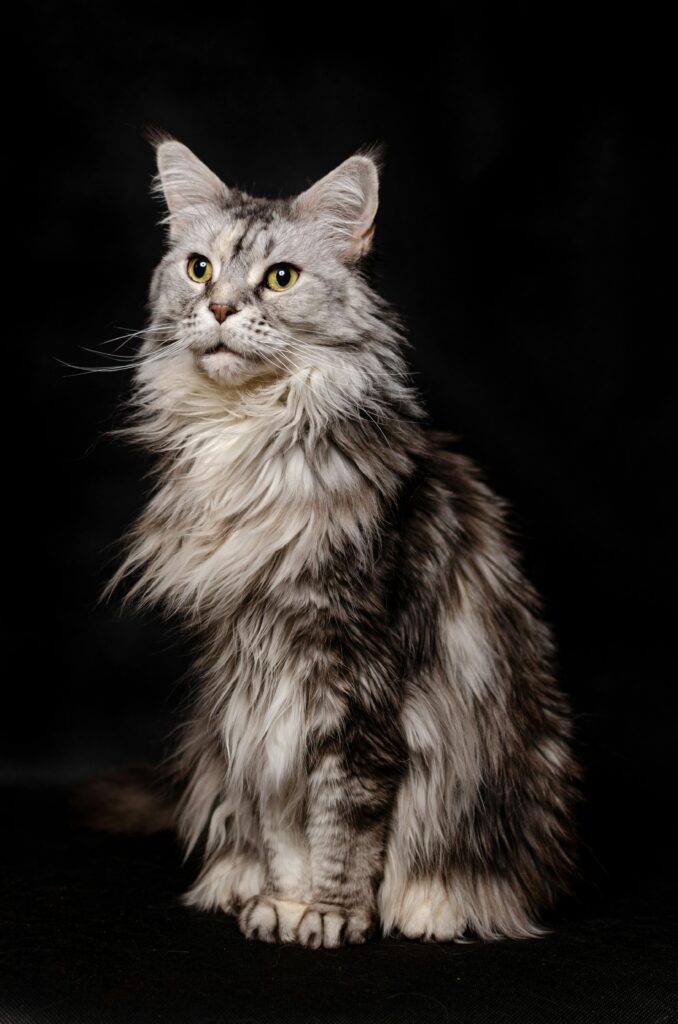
[[258, 919], [272, 919], [310, 930], [359, 926], [333, 926]]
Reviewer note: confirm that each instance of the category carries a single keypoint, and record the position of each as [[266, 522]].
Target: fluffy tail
[[138, 800]]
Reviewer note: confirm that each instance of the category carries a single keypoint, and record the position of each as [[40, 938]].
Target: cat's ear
[[346, 201], [185, 183]]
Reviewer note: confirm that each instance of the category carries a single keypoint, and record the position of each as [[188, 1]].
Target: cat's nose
[[220, 311]]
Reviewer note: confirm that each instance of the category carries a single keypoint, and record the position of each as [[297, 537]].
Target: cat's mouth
[[221, 349]]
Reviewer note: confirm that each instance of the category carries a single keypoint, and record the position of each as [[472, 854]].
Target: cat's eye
[[199, 269], [281, 277]]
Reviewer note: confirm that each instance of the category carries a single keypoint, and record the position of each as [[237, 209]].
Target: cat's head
[[249, 285]]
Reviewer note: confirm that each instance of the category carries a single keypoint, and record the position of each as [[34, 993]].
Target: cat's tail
[[138, 800]]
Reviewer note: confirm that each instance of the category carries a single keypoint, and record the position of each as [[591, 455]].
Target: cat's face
[[249, 285]]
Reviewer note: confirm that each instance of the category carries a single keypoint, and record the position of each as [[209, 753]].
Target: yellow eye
[[281, 277], [199, 269]]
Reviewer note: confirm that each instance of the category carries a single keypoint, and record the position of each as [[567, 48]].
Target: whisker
[[151, 329], [131, 364], [112, 355]]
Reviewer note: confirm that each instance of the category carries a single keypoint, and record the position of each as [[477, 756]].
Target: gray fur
[[377, 737]]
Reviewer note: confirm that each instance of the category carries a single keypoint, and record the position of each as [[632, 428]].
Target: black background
[[523, 235]]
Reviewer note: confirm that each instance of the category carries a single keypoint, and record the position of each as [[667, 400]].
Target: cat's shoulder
[[460, 478], [446, 461]]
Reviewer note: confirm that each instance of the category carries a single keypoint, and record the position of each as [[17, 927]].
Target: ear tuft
[[155, 136], [376, 152], [185, 182], [346, 202]]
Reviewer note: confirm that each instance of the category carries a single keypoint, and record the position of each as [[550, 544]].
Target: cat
[[376, 738]]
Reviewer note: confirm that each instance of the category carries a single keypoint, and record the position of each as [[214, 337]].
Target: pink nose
[[221, 312]]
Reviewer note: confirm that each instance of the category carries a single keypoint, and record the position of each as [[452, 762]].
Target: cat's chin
[[224, 366]]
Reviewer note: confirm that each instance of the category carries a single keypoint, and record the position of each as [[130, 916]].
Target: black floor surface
[[95, 933]]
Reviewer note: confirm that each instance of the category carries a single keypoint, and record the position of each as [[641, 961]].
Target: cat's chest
[[241, 483], [228, 513], [241, 507]]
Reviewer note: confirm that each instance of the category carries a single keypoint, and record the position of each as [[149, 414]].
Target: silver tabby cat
[[376, 735]]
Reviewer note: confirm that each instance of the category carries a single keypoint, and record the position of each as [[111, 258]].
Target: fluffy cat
[[376, 736]]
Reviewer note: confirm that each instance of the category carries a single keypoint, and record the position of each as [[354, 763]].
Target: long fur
[[377, 736]]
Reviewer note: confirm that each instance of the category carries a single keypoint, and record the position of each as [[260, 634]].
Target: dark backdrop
[[521, 235]]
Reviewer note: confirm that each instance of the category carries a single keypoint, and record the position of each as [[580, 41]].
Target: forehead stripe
[[238, 244]]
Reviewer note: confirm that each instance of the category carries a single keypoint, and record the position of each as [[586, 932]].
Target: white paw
[[227, 883], [272, 919], [423, 910]]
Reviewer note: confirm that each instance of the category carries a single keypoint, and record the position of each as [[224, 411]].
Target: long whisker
[[131, 364], [112, 355], [135, 333], [155, 328]]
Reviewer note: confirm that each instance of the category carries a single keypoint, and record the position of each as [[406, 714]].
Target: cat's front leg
[[335, 906], [322, 891]]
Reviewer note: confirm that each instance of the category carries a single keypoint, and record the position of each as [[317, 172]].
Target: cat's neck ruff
[[177, 402], [254, 486]]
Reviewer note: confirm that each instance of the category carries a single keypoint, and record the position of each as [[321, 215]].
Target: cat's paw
[[424, 910], [273, 919], [227, 883]]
